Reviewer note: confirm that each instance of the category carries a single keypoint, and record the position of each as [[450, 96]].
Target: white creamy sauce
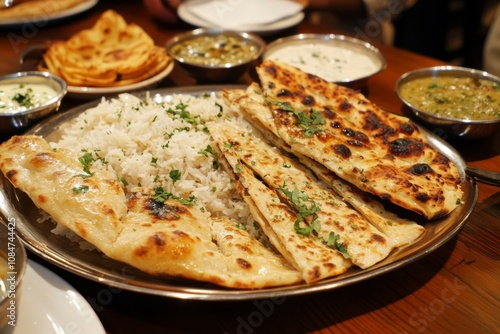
[[20, 97], [332, 63]]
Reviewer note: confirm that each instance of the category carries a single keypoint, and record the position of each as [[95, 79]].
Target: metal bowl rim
[[47, 75], [247, 36], [435, 71], [281, 42]]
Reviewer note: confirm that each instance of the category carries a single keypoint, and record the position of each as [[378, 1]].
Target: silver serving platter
[[95, 266]]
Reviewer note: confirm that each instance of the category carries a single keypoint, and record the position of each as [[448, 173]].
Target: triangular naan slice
[[363, 243], [381, 153], [309, 255], [399, 230], [172, 239], [93, 206]]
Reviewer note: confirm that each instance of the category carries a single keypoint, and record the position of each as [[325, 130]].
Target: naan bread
[[94, 207], [378, 152], [309, 255], [399, 230], [111, 53], [163, 238], [174, 239], [364, 244]]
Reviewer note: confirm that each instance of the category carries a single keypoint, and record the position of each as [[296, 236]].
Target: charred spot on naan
[[175, 245], [405, 147]]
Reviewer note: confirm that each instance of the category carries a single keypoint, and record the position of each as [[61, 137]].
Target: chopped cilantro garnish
[[207, 151], [240, 226], [220, 109], [24, 100], [125, 183], [81, 189], [333, 241], [161, 195], [180, 110], [300, 200], [308, 121], [86, 160], [175, 175]]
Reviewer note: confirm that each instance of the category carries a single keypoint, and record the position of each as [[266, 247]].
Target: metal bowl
[[222, 72], [342, 49], [15, 122], [454, 128], [14, 260]]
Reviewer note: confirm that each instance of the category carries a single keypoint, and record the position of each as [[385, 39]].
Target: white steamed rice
[[142, 142]]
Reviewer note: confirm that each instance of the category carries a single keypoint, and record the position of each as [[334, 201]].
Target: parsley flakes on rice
[[163, 146]]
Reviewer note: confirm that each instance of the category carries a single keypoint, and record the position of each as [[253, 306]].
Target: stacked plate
[[259, 16]]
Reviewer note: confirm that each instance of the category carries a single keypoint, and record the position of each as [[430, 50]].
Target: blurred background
[[450, 30]]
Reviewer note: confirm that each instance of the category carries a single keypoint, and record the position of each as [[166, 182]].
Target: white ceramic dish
[[49, 304], [90, 93], [44, 19], [188, 16]]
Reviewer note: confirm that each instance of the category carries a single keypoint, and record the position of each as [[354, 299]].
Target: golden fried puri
[[111, 53]]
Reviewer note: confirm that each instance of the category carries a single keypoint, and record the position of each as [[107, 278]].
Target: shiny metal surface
[[452, 127], [95, 266], [342, 41], [483, 175], [17, 122], [216, 74]]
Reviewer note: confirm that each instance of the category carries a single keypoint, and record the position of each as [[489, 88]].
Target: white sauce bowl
[[335, 58], [15, 122]]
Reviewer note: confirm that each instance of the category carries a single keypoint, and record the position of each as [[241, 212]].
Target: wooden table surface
[[454, 289]]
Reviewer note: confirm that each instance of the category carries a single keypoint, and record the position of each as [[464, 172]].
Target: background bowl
[[12, 253], [16, 122], [454, 128], [226, 71], [351, 61]]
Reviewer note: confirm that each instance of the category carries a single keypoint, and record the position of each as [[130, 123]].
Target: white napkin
[[232, 14]]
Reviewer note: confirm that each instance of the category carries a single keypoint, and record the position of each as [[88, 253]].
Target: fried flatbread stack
[[30, 9], [378, 152], [111, 53], [160, 237]]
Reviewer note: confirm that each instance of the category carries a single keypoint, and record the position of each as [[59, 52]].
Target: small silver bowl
[[198, 63], [13, 264], [446, 127], [17, 121], [339, 50]]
